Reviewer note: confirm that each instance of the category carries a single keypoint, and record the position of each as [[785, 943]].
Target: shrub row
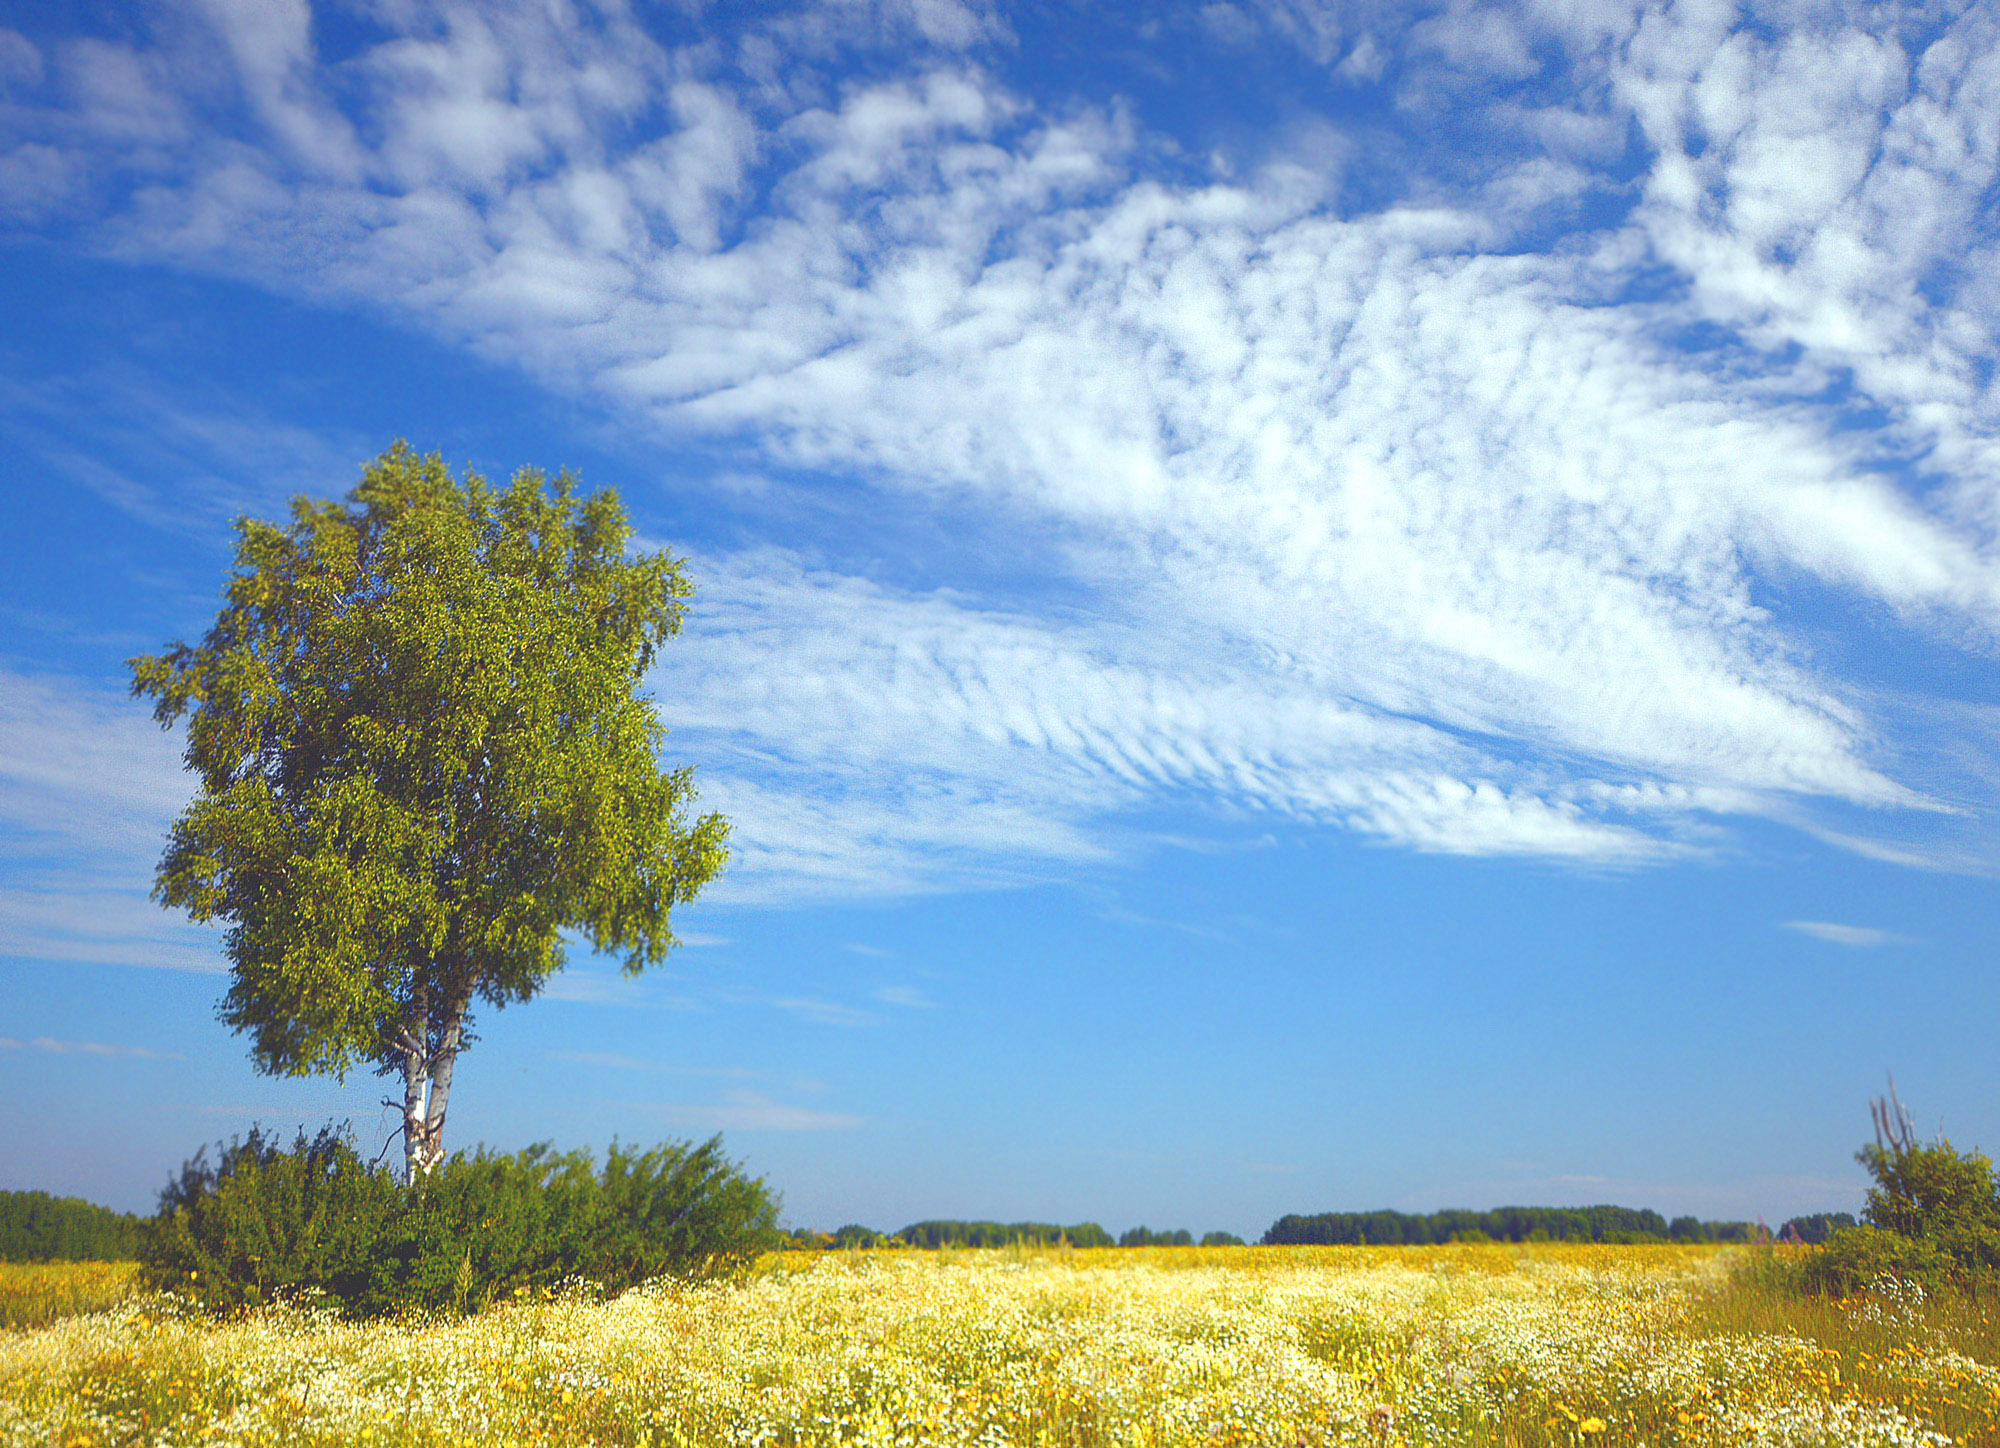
[[317, 1224]]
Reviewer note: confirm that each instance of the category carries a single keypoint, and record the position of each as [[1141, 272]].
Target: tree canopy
[[38, 1227], [1499, 1224], [423, 753]]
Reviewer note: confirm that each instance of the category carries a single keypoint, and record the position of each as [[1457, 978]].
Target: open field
[[34, 1294], [1269, 1346]]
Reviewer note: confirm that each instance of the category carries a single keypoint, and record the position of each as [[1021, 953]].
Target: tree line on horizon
[[38, 1227], [934, 1234], [1530, 1224], [1383, 1228]]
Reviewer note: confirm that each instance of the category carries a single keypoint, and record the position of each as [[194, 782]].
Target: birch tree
[[424, 752]]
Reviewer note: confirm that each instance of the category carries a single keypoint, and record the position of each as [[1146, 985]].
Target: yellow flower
[[1591, 1425]]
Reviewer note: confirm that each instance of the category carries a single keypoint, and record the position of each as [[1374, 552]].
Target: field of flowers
[[1264, 1346], [33, 1294]]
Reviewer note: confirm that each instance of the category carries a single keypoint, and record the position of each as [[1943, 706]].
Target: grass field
[[33, 1294], [1267, 1346]]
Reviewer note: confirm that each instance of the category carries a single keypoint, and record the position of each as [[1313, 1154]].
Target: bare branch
[[1895, 1131]]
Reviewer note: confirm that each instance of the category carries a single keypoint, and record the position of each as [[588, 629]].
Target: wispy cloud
[[1399, 518], [613, 1062], [225, 456], [907, 997], [88, 787], [87, 1048], [593, 985], [748, 1111], [1854, 935], [825, 1013]]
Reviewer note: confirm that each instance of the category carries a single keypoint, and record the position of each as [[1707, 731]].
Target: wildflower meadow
[[1503, 1345]]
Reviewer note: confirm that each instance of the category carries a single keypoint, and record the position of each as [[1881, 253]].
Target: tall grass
[[1440, 1347], [1765, 1291], [35, 1294], [1897, 1341]]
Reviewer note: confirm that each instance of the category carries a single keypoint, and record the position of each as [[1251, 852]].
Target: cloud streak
[[88, 786], [1856, 936], [1447, 519], [749, 1111], [87, 1048]]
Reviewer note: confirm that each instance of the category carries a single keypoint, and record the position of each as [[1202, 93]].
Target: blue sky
[[1302, 606]]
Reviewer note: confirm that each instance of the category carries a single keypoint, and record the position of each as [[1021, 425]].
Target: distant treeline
[[1344, 1229], [1502, 1224], [1141, 1237], [1816, 1228], [36, 1227], [937, 1234]]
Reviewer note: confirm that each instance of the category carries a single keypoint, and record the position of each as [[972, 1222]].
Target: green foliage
[[936, 1234], [1146, 1237], [423, 754], [37, 1227], [1502, 1224], [1860, 1257], [946, 1233], [679, 1211], [261, 1223], [1930, 1191], [856, 1235], [316, 1223], [1932, 1218], [1815, 1228]]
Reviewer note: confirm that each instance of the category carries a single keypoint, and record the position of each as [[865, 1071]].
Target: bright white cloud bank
[[1462, 518]]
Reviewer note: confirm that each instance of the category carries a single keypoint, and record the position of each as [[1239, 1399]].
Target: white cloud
[[749, 1111], [1825, 183], [1851, 935], [20, 59], [1380, 519], [587, 981], [87, 1048], [52, 916], [88, 786], [613, 1062], [271, 44], [825, 1013]]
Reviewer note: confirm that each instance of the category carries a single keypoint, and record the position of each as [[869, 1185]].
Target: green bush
[[261, 1223], [1855, 1259], [317, 1224], [680, 1211], [1935, 1193], [1932, 1217]]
